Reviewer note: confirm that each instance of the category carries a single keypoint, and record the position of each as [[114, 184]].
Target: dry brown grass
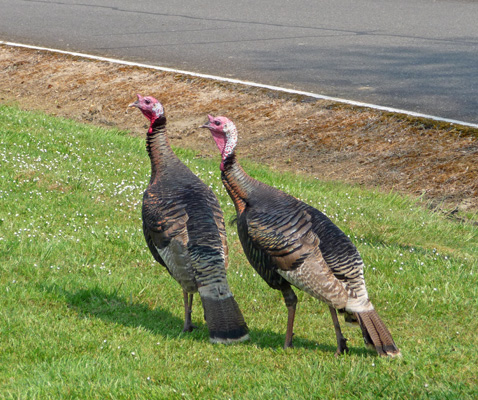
[[332, 142]]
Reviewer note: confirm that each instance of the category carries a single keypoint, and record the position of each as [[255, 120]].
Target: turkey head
[[150, 107], [224, 133]]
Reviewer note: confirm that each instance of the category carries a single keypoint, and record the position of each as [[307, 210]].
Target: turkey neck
[[238, 184], [158, 147]]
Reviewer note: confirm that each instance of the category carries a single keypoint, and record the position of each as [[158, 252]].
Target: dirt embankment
[[318, 138]]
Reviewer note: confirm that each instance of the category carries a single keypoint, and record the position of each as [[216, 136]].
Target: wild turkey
[[184, 228], [291, 243]]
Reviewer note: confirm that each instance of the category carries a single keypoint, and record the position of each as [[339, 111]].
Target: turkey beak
[[135, 104], [208, 124]]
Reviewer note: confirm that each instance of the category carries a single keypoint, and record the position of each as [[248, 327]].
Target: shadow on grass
[[112, 308]]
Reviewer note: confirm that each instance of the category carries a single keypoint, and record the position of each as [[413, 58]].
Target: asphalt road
[[418, 55]]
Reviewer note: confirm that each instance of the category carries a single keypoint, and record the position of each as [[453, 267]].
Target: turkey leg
[[188, 308], [291, 302], [341, 341]]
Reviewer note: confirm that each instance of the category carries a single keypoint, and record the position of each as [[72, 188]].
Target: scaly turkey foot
[[342, 347]]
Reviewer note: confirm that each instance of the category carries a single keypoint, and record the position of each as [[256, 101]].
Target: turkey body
[[290, 243], [281, 234], [184, 229]]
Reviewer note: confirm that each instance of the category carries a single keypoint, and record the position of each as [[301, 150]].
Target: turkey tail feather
[[224, 320], [376, 334]]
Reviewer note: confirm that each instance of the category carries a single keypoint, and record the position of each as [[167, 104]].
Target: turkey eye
[[147, 101], [217, 123]]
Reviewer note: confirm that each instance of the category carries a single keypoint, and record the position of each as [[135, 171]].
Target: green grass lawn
[[86, 313]]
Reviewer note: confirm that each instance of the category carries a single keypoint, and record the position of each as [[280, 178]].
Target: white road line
[[246, 83]]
